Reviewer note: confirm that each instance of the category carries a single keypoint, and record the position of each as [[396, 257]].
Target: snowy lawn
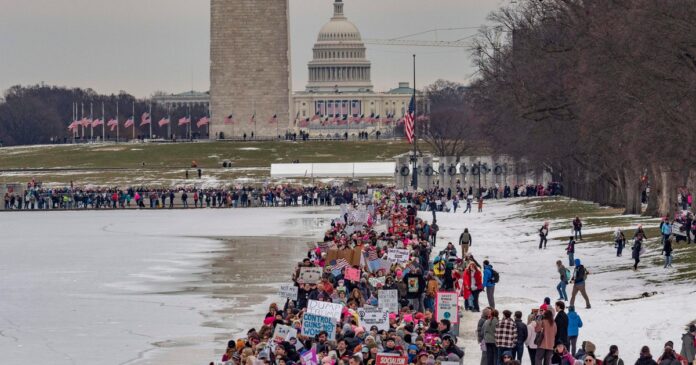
[[506, 234]]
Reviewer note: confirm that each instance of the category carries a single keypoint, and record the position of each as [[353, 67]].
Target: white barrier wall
[[347, 170]]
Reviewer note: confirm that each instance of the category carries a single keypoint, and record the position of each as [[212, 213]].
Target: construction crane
[[404, 41]]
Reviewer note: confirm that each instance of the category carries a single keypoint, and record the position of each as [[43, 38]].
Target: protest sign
[[397, 255], [374, 317], [350, 255], [326, 309], [312, 324], [288, 291], [352, 274], [377, 281], [309, 275], [283, 333], [388, 299], [391, 359], [446, 307], [309, 357]]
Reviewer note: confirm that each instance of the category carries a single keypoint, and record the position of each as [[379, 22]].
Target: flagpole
[[189, 123], [150, 115], [169, 117], [117, 122], [82, 116], [415, 136], [91, 119], [133, 119], [103, 124]]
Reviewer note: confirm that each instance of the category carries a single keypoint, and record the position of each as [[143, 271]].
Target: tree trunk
[[632, 191], [655, 179], [667, 199]]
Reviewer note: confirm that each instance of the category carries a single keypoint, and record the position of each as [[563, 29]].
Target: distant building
[[185, 99]]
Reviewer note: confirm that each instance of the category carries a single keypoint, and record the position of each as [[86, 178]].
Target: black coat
[[562, 328]]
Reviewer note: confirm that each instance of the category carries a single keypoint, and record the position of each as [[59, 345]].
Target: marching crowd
[[415, 330]]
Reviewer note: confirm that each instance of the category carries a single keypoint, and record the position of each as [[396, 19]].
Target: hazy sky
[[141, 46]]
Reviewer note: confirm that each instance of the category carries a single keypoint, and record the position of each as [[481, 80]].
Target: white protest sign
[[284, 333], [374, 317], [388, 299], [397, 255], [288, 291], [446, 307], [325, 309], [309, 275], [312, 324]]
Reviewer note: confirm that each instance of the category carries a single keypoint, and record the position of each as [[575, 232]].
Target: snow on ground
[[93, 287], [528, 274]]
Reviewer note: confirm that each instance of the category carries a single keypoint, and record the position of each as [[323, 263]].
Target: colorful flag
[[203, 121], [113, 123], [340, 264], [129, 122], [253, 118], [86, 122], [274, 119], [304, 123], [229, 119], [97, 122], [73, 125], [184, 121], [145, 119], [316, 117], [409, 123], [163, 122]]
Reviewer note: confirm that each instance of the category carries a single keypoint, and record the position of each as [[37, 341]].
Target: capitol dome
[[339, 63]]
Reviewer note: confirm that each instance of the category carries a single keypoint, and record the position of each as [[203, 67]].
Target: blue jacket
[[574, 323], [666, 228], [487, 275]]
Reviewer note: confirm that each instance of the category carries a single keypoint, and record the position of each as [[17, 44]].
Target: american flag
[[372, 254], [273, 119], [203, 121], [113, 123], [97, 122], [86, 122], [316, 117], [409, 125], [129, 122], [73, 125], [184, 121], [253, 118], [229, 119], [304, 123], [340, 264], [145, 119], [163, 122]]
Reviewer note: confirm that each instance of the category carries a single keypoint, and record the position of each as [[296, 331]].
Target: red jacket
[[478, 285]]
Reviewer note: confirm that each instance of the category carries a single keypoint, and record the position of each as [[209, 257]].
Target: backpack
[[567, 274], [495, 277], [580, 274]]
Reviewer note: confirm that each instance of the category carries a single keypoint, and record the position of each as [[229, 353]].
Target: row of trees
[[602, 93], [41, 114]]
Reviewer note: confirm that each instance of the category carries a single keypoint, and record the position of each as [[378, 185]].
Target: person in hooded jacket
[[667, 251], [574, 325], [688, 349], [645, 357], [488, 283], [489, 327], [636, 252], [578, 280], [613, 357], [561, 324]]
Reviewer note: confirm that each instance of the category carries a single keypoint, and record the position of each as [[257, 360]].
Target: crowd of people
[[414, 331], [36, 197]]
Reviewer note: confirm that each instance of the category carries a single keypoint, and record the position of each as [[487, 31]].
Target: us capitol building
[[339, 96]]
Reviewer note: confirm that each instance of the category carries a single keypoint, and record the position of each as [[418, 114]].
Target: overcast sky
[[142, 46]]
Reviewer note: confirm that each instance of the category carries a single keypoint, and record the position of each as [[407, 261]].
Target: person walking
[[547, 329], [667, 251], [578, 280], [574, 325], [522, 334], [666, 230], [620, 242], [469, 199], [565, 277], [636, 251], [473, 286], [485, 314], [570, 251], [531, 335], [489, 282], [505, 335], [480, 204], [561, 325], [577, 228], [465, 241], [489, 328], [543, 232]]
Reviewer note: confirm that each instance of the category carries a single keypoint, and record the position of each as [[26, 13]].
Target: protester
[[543, 233], [645, 357], [506, 334], [546, 329], [574, 325], [688, 347], [489, 282], [577, 228], [561, 324], [489, 331], [565, 277], [612, 357], [570, 251], [465, 241]]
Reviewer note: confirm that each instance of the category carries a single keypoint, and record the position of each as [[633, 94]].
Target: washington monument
[[249, 68]]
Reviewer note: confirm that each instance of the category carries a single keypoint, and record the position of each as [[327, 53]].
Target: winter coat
[[479, 329], [506, 333], [489, 330], [477, 285], [522, 332], [531, 335], [562, 327], [645, 360], [487, 276], [571, 247], [613, 360], [636, 250], [667, 248], [688, 350], [666, 229], [549, 334], [574, 324]]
